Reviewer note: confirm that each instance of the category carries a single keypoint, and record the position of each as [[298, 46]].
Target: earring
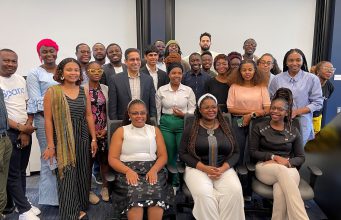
[[62, 77], [129, 119]]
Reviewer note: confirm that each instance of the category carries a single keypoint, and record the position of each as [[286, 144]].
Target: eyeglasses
[[280, 109], [93, 71], [143, 113], [264, 62], [329, 69]]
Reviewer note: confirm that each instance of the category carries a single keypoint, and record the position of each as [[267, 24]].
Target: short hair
[[81, 44], [60, 69], [257, 78], [194, 54], [130, 50], [158, 41], [174, 65], [206, 53], [220, 57], [7, 50], [205, 34], [112, 44], [304, 66], [151, 49], [99, 44], [250, 39]]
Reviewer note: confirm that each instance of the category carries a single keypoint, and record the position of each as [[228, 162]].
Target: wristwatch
[[253, 115], [273, 157]]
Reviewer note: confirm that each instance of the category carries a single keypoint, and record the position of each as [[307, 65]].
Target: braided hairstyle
[[195, 128], [285, 95], [126, 120]]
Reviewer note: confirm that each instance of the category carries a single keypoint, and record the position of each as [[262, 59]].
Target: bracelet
[[50, 148], [93, 140]]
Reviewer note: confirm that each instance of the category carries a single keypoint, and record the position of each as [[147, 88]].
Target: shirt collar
[[149, 68], [192, 73], [138, 75], [296, 78], [181, 87]]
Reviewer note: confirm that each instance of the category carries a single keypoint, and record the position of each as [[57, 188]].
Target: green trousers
[[172, 128], [5, 156]]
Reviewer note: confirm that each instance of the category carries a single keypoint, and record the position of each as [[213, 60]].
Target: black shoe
[[98, 179], [2, 217], [8, 210]]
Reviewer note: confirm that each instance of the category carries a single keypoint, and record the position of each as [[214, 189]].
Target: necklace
[[210, 129]]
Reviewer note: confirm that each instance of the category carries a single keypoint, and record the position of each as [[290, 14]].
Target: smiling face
[[173, 48], [175, 76], [195, 62], [138, 115], [278, 110], [133, 62], [205, 43], [250, 46], [83, 54], [98, 52], [208, 109], [151, 58], [94, 72], [235, 63], [206, 62], [221, 66], [48, 55], [247, 70], [265, 64], [294, 62], [71, 72], [326, 71], [114, 54], [8, 63]]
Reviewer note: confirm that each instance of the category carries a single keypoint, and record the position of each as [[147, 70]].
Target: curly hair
[[195, 128], [304, 66], [285, 95], [126, 119], [60, 70], [257, 79]]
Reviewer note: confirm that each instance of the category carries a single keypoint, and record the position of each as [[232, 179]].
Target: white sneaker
[[29, 215], [35, 210]]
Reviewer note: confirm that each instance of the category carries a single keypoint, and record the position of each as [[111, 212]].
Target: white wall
[[68, 22], [277, 26]]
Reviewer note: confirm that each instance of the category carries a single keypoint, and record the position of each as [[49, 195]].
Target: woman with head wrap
[[38, 81], [173, 47]]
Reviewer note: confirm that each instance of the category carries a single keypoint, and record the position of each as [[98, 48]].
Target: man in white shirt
[[249, 48], [83, 54], [160, 45], [15, 97]]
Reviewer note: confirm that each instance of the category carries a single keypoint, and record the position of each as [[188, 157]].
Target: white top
[[118, 69], [139, 144], [166, 98], [15, 95], [153, 75]]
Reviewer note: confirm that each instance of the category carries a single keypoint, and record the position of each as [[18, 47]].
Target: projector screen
[[68, 22], [277, 26]]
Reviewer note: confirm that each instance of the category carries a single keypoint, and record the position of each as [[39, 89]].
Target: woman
[[234, 59], [173, 46], [67, 134], [38, 81], [99, 107], [305, 87], [138, 153], [219, 85], [209, 150], [173, 101], [277, 146], [324, 71], [264, 64], [248, 98]]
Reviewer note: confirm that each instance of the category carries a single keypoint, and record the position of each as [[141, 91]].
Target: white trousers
[[288, 203], [220, 199]]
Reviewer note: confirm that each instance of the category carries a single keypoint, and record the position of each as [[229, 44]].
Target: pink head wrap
[[47, 43]]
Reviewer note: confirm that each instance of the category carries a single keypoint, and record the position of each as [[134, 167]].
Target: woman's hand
[[281, 160], [101, 134], [177, 112], [132, 177], [93, 148], [49, 153], [151, 177], [246, 120], [24, 139], [213, 172]]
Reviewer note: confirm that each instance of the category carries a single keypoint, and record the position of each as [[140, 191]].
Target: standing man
[[151, 56], [160, 45], [98, 52], [15, 97], [114, 54], [83, 54], [5, 154], [196, 78], [249, 48], [129, 85], [207, 62]]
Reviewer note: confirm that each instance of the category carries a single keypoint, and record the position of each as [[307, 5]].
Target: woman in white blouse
[[173, 101]]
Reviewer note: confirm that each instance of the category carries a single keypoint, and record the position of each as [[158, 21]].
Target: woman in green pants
[[173, 101]]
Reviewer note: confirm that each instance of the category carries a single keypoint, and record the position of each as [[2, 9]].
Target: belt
[[3, 134]]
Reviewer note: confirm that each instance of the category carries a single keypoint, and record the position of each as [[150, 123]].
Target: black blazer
[[162, 77], [120, 95], [109, 73]]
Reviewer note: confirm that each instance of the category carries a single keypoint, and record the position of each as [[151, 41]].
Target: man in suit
[[114, 54], [131, 84], [160, 77]]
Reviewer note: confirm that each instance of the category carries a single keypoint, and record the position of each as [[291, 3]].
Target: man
[[264, 65], [15, 97], [160, 45], [151, 56], [129, 85], [5, 153], [98, 52], [249, 48], [114, 54], [207, 61], [83, 55], [196, 78], [205, 45]]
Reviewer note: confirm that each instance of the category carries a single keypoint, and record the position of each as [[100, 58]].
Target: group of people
[[69, 105]]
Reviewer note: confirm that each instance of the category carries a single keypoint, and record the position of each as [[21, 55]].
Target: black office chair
[[266, 191]]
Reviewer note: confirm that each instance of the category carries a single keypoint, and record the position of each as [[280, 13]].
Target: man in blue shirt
[[196, 77]]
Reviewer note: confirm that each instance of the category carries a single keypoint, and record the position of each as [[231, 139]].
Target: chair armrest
[[110, 176], [172, 169], [241, 170], [251, 167], [180, 166], [314, 173]]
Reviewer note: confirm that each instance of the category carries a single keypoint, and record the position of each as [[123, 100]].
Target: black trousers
[[16, 182]]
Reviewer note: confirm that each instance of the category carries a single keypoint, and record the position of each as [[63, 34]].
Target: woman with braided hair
[[277, 146], [209, 150]]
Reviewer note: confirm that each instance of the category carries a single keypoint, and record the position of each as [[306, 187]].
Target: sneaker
[[93, 198], [29, 215], [98, 179], [35, 210], [105, 194], [2, 216]]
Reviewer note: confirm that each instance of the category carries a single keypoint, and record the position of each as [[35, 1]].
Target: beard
[[205, 48]]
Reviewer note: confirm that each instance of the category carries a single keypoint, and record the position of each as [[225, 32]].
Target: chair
[[266, 191]]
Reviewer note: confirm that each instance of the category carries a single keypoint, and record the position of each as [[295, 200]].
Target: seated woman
[[209, 150], [138, 153], [277, 146]]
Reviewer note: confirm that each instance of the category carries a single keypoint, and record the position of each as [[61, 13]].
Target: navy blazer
[[109, 73], [162, 77], [120, 95]]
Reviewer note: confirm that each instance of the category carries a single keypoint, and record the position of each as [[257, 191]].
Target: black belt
[[3, 134]]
